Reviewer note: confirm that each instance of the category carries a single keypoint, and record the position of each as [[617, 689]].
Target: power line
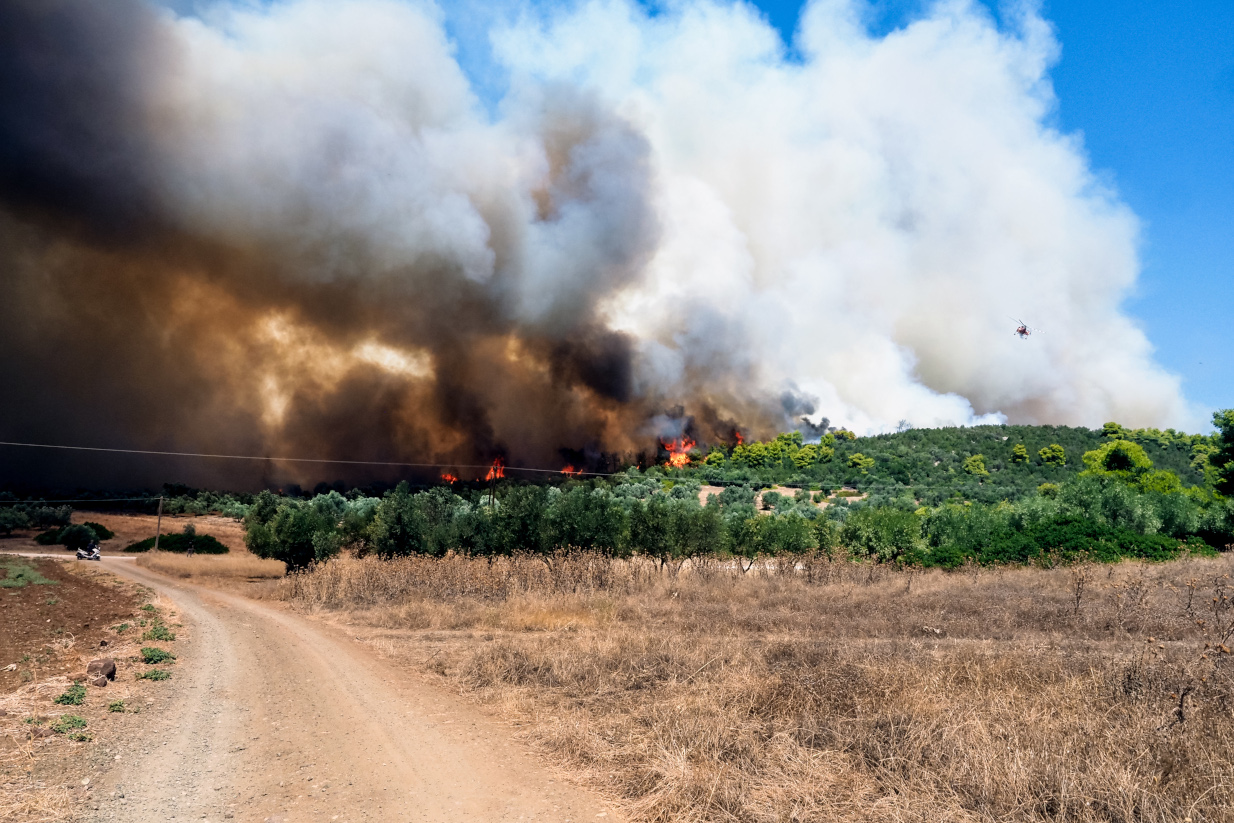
[[77, 500], [294, 459]]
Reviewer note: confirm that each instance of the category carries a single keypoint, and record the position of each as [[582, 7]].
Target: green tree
[[884, 534], [1019, 454], [975, 465], [1118, 457], [1114, 431], [1053, 455], [859, 461], [398, 526], [1223, 459]]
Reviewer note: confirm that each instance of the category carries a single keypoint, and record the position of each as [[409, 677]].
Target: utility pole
[[158, 529]]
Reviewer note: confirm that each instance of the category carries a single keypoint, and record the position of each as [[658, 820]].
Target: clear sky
[[1150, 85]]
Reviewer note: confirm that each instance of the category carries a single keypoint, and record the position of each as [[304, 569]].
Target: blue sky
[[1150, 85]]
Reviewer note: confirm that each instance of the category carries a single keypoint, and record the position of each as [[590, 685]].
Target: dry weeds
[[236, 564], [837, 691]]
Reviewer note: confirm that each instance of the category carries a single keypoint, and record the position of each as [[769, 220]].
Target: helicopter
[[1024, 330]]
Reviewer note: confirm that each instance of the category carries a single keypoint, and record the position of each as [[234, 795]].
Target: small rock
[[99, 681], [102, 643], [274, 818], [103, 666]]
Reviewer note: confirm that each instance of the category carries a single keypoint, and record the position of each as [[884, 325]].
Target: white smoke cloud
[[860, 223]]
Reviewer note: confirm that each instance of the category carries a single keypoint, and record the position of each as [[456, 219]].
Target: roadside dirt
[[270, 716], [53, 628]]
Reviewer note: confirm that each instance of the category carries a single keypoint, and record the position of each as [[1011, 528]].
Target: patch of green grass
[[51, 601], [154, 674], [34, 720], [67, 722], [116, 706], [153, 655], [74, 695], [158, 632], [18, 574], [122, 628], [80, 737], [149, 607]]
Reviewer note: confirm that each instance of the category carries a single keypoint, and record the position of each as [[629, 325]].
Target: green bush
[[74, 695], [201, 543], [154, 674], [884, 534], [66, 723], [152, 655], [158, 632], [77, 536]]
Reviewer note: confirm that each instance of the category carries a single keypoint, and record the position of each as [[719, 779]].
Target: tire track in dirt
[[277, 716]]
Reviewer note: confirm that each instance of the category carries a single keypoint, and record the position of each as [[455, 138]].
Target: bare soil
[[53, 629]]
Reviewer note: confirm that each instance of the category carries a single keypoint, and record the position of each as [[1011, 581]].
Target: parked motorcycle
[[90, 552]]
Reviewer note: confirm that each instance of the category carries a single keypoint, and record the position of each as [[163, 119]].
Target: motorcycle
[[90, 552]]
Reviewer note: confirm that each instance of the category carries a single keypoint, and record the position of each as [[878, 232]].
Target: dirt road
[[276, 716]]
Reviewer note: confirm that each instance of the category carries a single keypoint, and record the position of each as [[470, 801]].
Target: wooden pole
[[158, 529]]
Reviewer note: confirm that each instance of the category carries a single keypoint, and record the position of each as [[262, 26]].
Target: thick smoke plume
[[295, 229]]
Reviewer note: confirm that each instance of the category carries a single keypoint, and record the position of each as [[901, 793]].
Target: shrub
[[66, 723], [151, 655], [100, 531], [77, 536], [154, 674], [116, 706], [884, 534], [201, 543], [158, 632], [74, 695]]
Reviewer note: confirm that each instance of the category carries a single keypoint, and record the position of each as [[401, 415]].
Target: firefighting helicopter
[[1024, 330]]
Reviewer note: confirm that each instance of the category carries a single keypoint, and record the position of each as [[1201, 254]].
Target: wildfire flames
[[678, 452], [449, 478], [497, 471], [740, 439], [570, 471]]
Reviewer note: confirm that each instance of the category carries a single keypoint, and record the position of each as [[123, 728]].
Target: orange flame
[[570, 471], [740, 439], [497, 471], [449, 478], [678, 452]]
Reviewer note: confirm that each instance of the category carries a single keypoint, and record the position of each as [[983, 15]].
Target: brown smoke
[[126, 324]]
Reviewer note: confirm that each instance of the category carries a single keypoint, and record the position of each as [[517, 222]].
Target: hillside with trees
[[934, 497]]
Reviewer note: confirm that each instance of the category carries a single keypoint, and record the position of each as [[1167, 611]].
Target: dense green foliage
[[30, 515], [988, 502], [986, 464]]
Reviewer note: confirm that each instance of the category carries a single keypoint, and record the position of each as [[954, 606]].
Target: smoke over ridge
[[296, 230]]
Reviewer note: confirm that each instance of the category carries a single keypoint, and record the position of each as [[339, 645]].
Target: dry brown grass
[[234, 565], [837, 691]]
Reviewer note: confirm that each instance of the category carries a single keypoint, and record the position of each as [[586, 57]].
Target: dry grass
[[234, 565], [837, 691]]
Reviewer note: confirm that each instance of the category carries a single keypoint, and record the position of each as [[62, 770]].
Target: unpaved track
[[276, 716]]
